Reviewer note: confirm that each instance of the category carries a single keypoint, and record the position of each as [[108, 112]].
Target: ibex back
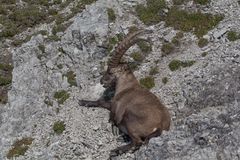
[[134, 110]]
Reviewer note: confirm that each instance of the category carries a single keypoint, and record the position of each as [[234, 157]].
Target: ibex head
[[112, 74], [115, 68]]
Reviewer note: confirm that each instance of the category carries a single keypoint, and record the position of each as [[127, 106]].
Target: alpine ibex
[[134, 110]]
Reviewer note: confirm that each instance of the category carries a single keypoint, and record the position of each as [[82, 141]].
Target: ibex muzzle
[[134, 110]]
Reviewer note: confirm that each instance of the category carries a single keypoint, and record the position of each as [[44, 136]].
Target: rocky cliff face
[[49, 77]]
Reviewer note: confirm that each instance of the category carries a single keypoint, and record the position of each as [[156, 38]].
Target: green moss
[[19, 147], [59, 28], [179, 35], [3, 10], [178, 2], [204, 54], [202, 2], [177, 64], [197, 22], [57, 1], [58, 127], [233, 36], [164, 80], [61, 96], [27, 17], [137, 56], [167, 48], [153, 71], [53, 38], [6, 67], [144, 46], [8, 1], [19, 42], [111, 15], [202, 42], [152, 13], [71, 78], [43, 32], [147, 82], [5, 81]]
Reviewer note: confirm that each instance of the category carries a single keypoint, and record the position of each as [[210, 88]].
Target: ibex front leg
[[99, 103]]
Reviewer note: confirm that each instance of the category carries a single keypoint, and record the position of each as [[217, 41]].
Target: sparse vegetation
[[197, 22], [202, 2], [61, 96], [153, 71], [177, 64], [137, 56], [167, 48], [233, 36], [164, 80], [152, 13], [19, 147], [147, 82], [202, 42], [59, 127], [71, 78], [111, 15], [16, 18], [178, 2], [144, 46]]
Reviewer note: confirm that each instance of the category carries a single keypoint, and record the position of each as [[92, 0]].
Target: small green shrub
[[144, 46], [147, 82], [233, 36], [53, 38], [111, 15], [5, 81], [137, 56], [202, 2], [19, 147], [164, 80], [202, 42], [167, 48], [153, 71], [6, 67], [177, 64], [178, 2], [71, 78], [61, 96], [58, 127], [153, 13]]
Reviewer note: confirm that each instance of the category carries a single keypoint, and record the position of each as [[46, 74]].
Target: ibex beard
[[133, 109]]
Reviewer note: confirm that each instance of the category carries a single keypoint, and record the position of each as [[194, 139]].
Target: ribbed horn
[[122, 47]]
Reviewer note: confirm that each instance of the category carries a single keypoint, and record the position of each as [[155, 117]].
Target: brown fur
[[134, 110]]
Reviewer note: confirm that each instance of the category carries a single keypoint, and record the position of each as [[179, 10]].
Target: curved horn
[[122, 47]]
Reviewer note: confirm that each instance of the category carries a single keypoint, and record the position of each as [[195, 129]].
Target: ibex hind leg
[[99, 103]]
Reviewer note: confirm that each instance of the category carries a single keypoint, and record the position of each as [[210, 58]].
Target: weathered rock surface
[[204, 99]]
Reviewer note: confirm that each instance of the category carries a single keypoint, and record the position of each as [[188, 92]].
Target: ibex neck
[[126, 81]]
